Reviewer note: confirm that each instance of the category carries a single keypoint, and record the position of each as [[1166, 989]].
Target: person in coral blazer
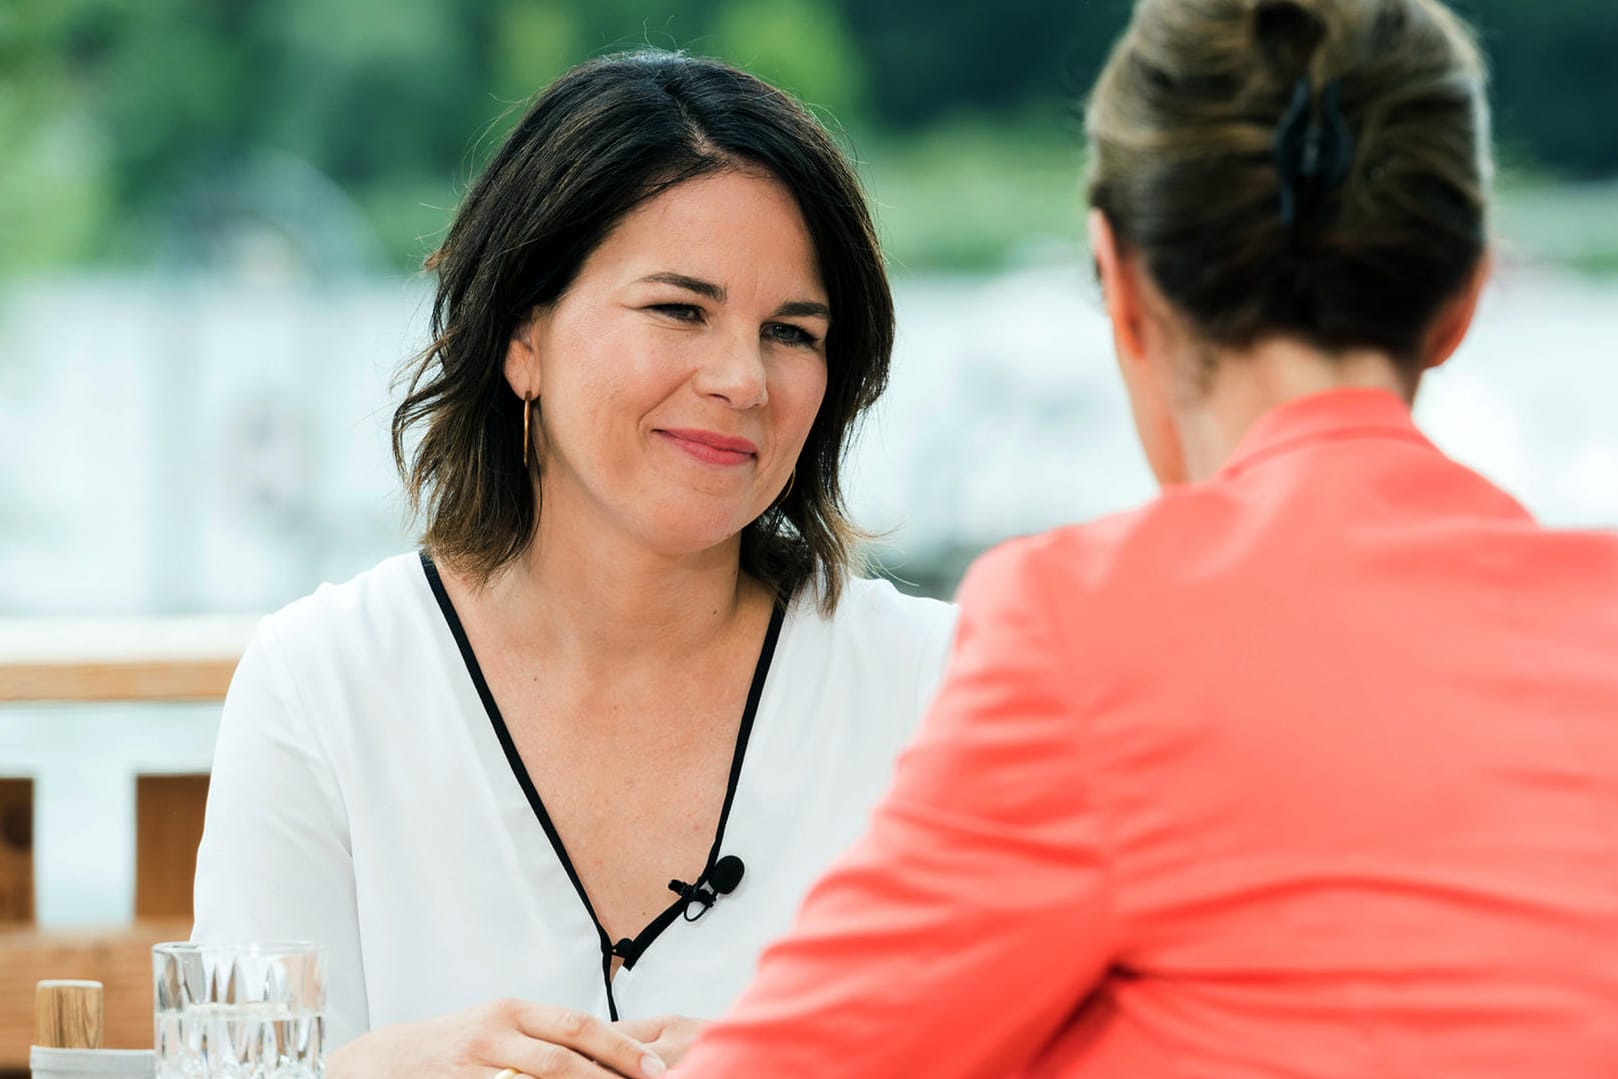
[[1308, 768]]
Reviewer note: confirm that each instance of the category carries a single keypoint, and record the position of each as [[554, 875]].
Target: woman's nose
[[733, 369]]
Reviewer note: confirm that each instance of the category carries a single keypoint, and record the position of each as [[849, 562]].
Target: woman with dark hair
[[580, 758], [1309, 767]]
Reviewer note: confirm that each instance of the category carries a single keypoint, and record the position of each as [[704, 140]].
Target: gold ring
[[507, 1073]]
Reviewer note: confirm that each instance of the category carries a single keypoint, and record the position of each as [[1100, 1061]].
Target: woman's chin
[[689, 530]]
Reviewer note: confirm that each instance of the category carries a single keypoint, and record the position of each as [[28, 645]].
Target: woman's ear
[[1120, 290], [1148, 383], [522, 359], [1455, 317]]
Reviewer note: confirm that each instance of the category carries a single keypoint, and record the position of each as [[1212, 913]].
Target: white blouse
[[365, 796]]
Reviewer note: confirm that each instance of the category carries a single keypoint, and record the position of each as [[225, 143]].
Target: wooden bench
[[120, 660]]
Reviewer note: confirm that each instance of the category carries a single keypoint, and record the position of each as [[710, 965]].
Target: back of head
[[1207, 130]]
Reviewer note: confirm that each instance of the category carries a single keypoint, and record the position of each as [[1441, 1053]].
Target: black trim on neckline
[[629, 950]]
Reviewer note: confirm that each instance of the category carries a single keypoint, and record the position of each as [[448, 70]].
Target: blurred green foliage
[[125, 119], [974, 192], [1554, 66]]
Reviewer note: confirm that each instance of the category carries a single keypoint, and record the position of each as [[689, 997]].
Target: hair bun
[[1288, 33], [1340, 91]]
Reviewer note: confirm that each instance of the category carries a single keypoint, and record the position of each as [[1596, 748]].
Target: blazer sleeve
[[275, 862], [955, 938]]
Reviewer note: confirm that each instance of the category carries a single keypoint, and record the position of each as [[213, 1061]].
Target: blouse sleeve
[[956, 937], [275, 863]]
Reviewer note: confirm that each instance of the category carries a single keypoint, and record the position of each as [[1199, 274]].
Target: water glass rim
[[253, 948]]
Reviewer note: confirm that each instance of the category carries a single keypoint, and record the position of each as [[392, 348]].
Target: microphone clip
[[699, 894], [720, 880]]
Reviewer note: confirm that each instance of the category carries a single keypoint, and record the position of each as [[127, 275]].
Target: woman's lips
[[711, 447]]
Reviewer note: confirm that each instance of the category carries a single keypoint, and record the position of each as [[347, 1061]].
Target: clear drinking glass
[[243, 1011]]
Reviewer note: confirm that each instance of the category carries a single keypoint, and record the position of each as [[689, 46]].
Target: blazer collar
[[1328, 416]]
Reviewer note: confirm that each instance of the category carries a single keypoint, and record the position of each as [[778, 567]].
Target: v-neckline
[[628, 949]]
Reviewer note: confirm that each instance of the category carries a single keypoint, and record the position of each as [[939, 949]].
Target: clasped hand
[[539, 1041]]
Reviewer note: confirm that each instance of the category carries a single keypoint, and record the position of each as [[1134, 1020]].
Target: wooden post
[[168, 827], [67, 1015], [16, 851]]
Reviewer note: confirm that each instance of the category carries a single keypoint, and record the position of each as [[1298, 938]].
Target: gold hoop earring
[[527, 411], [792, 478]]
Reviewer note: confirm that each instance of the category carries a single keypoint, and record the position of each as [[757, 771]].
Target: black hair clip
[[1312, 154]]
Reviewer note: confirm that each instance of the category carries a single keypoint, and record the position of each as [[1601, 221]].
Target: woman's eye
[[679, 312], [788, 334]]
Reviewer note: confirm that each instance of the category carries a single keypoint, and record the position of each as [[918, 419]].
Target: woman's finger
[[589, 1039], [547, 1060], [673, 1038], [645, 1031]]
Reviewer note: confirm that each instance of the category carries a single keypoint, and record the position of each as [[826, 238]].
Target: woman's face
[[678, 376]]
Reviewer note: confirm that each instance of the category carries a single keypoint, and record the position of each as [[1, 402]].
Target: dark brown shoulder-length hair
[[604, 138]]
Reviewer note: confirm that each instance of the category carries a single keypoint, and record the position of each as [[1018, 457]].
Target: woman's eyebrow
[[803, 309], [690, 284], [790, 309]]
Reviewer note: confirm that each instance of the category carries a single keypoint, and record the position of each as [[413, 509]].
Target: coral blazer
[[1307, 770]]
